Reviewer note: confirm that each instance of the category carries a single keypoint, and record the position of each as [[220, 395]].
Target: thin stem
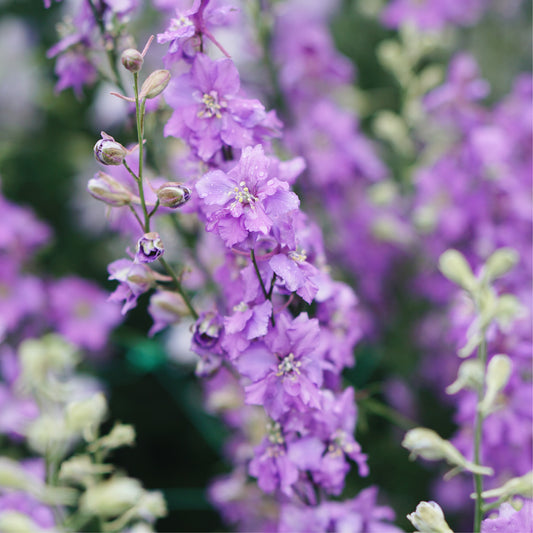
[[478, 478], [150, 214], [179, 288], [139, 107], [256, 267], [111, 52], [387, 413], [132, 209]]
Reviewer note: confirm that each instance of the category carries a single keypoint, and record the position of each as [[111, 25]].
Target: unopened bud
[[500, 262], [15, 522], [173, 194], [166, 308], [81, 468], [155, 84], [108, 151], [12, 475], [498, 373], [517, 486], [429, 518], [107, 189], [132, 60], [456, 268], [469, 376], [85, 416], [120, 435], [429, 445], [112, 497], [149, 248], [49, 434]]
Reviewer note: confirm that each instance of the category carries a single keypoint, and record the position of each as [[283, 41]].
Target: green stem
[[478, 478], [268, 295], [139, 108], [387, 413], [111, 52], [179, 288]]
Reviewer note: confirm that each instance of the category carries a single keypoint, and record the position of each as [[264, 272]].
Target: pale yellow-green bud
[[425, 218], [153, 503], [389, 229], [429, 445], [498, 374], [383, 193], [517, 486], [12, 475], [500, 262], [392, 128], [15, 522], [81, 469], [120, 435], [107, 189], [155, 84], [49, 434], [469, 376], [112, 497], [429, 518], [508, 309], [85, 416], [455, 267], [141, 527]]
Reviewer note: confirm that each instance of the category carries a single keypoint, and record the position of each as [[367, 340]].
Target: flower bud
[[517, 486], [166, 307], [155, 84], [132, 60], [85, 416], [12, 475], [112, 497], [107, 189], [429, 518], [120, 435], [500, 262], [470, 376], [149, 248], [15, 522], [80, 468], [108, 151], [207, 330], [49, 434], [498, 374], [173, 194], [454, 266]]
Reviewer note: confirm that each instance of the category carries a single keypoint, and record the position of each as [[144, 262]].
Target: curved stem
[[267, 295], [478, 478], [179, 288]]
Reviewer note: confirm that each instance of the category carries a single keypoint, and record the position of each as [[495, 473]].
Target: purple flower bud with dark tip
[[108, 151], [207, 331], [173, 194], [149, 248], [132, 60]]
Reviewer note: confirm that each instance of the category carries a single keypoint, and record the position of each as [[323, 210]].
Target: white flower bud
[[469, 376], [517, 486], [112, 497], [429, 518], [80, 469], [152, 504], [85, 416], [107, 189], [500, 262], [12, 475], [455, 267], [498, 374], [120, 435], [15, 522], [155, 84], [49, 434]]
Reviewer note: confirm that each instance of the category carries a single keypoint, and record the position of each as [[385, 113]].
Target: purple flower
[[285, 368], [208, 111], [134, 279], [149, 248], [510, 519], [166, 307], [80, 311], [246, 199], [74, 70]]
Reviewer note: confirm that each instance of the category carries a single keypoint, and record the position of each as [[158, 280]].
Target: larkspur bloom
[[245, 200]]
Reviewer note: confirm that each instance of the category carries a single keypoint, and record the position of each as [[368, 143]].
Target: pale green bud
[[85, 416], [392, 128], [455, 267], [517, 486], [383, 193], [120, 435], [107, 189], [425, 218], [498, 374], [429, 445], [153, 503], [500, 262], [155, 84], [12, 475], [49, 434], [508, 309], [15, 522], [81, 469], [173, 194], [429, 518], [389, 229], [108, 151], [112, 497], [469, 376]]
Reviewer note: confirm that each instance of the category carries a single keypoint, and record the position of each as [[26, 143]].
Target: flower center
[[181, 22], [299, 257], [288, 366], [212, 106], [242, 194]]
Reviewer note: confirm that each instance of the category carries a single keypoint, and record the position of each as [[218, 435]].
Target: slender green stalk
[[267, 295], [478, 478], [179, 288]]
